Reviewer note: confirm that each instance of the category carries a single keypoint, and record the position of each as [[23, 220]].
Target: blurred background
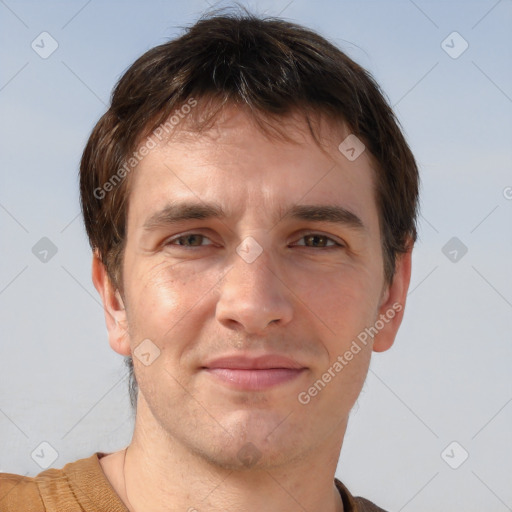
[[432, 429]]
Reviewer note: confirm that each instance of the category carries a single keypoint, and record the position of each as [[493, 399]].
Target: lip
[[254, 373], [264, 362]]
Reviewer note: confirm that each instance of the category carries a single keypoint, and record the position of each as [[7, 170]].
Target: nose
[[254, 296]]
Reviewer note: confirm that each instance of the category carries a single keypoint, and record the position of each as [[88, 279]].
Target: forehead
[[236, 164]]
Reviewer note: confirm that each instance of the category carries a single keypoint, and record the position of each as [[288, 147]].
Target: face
[[252, 266]]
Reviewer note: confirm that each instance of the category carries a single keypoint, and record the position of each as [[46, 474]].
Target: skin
[[303, 297]]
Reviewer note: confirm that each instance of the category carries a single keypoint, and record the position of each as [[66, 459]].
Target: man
[[251, 205]]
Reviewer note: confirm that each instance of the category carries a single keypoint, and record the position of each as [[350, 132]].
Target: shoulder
[[355, 504], [78, 486], [365, 505], [19, 492]]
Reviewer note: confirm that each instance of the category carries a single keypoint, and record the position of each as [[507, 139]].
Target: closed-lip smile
[[254, 373]]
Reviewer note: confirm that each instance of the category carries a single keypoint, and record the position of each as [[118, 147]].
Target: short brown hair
[[269, 67]]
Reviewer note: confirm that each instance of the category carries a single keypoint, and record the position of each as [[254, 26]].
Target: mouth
[[254, 374]]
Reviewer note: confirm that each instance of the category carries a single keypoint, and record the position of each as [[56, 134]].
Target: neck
[[161, 475]]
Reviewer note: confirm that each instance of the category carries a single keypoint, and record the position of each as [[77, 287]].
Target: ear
[[392, 306], [113, 306]]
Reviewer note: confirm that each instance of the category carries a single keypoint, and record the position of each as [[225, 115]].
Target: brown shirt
[[82, 486]]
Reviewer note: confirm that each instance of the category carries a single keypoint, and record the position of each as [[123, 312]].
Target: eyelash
[[334, 245]]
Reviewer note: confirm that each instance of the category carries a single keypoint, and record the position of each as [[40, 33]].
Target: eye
[[317, 240], [189, 240]]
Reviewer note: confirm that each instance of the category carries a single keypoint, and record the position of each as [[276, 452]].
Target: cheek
[[167, 301], [344, 300], [154, 299], [346, 378], [165, 297]]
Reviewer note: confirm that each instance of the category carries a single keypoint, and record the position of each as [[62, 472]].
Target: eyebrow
[[326, 213], [179, 212]]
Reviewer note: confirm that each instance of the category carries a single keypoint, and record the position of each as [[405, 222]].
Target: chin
[[248, 456], [260, 440]]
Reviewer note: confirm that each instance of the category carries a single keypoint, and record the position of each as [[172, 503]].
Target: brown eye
[[317, 240], [192, 240]]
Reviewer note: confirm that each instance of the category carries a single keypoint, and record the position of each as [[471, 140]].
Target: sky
[[445, 68]]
